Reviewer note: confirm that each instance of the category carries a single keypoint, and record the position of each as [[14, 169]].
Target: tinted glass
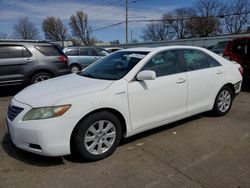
[[164, 63], [240, 47], [101, 52], [72, 51], [195, 60], [87, 52], [13, 52], [49, 50], [114, 66]]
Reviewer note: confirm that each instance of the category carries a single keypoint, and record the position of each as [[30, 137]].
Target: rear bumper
[[237, 87], [62, 72]]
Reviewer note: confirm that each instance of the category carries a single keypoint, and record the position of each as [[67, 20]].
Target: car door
[[13, 60], [100, 53], [205, 77], [153, 101], [87, 56]]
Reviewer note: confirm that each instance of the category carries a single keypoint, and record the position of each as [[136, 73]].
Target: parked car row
[[28, 62]]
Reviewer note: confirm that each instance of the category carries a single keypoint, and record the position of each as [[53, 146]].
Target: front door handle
[[180, 80], [27, 59]]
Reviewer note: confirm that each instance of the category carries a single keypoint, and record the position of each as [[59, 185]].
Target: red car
[[239, 50]]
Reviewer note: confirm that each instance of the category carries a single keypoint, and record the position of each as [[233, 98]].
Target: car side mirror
[[146, 75]]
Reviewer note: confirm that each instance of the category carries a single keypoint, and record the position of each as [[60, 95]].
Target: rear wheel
[[75, 68], [97, 136], [223, 101], [40, 77]]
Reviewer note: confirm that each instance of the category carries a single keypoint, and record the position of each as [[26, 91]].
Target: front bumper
[[48, 137]]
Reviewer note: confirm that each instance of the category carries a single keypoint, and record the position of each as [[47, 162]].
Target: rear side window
[[87, 52], [13, 51], [240, 47], [196, 60], [72, 51], [101, 52], [49, 50]]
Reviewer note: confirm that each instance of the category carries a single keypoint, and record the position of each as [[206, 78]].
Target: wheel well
[[111, 110], [232, 87], [39, 71], [74, 64]]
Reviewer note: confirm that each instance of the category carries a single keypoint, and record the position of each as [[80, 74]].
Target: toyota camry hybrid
[[127, 92]]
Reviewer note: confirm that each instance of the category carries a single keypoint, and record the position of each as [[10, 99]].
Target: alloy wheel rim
[[75, 69], [100, 137], [224, 101], [41, 78]]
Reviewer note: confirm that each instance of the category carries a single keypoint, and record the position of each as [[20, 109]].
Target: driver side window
[[164, 63]]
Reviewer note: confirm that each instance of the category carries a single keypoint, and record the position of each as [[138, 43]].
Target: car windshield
[[114, 66]]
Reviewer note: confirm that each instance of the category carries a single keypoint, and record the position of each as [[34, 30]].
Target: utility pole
[[131, 36], [126, 21]]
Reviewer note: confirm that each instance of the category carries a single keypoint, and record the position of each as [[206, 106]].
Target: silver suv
[[80, 56], [30, 62]]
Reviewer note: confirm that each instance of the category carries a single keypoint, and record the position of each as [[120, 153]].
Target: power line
[[108, 26], [173, 19]]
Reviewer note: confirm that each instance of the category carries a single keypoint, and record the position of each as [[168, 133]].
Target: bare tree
[[208, 8], [25, 29], [54, 29], [203, 26], [156, 31], [3, 35], [177, 20], [237, 15], [81, 29], [207, 22]]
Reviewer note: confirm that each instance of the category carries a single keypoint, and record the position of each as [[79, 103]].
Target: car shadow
[[246, 85], [27, 157], [126, 141]]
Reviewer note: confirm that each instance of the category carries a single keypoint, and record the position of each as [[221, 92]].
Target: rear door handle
[[180, 80], [219, 72]]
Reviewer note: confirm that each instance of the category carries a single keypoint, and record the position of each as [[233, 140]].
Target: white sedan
[[123, 94]]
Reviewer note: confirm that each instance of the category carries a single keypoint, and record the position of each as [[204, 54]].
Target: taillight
[[63, 59], [241, 70]]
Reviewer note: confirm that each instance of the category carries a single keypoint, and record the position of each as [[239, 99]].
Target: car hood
[[51, 91]]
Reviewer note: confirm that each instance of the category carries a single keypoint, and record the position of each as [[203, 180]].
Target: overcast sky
[[101, 13]]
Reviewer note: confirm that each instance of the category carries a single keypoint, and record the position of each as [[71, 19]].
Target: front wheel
[[97, 136], [223, 101], [75, 68]]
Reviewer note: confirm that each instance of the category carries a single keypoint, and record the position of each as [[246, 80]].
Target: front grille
[[13, 111]]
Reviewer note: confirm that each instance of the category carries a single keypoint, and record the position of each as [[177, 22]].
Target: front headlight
[[45, 112]]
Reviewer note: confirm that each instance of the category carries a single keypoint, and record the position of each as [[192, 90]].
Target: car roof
[[161, 48]]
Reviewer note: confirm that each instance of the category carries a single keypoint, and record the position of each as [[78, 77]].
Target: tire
[[90, 142], [223, 101], [75, 68], [41, 76]]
